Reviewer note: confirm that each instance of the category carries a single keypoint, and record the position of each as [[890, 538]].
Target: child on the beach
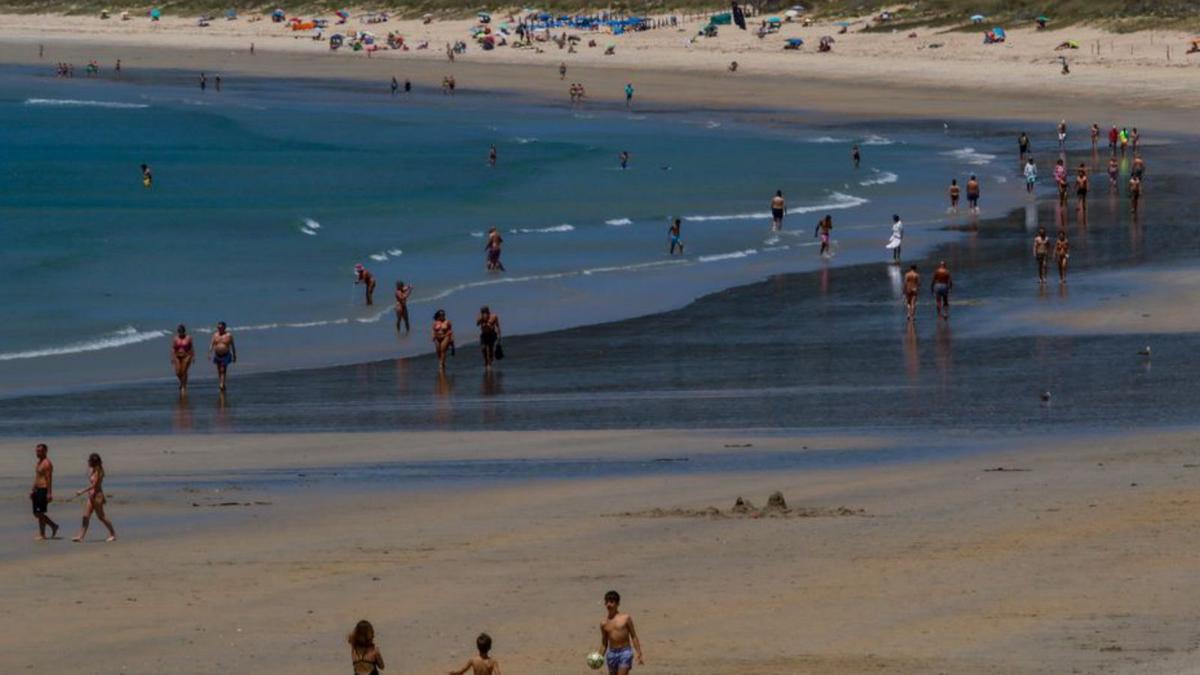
[[482, 664], [618, 638]]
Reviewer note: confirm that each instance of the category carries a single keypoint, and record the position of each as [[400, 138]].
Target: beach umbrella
[[156, 13], [978, 18], [791, 13]]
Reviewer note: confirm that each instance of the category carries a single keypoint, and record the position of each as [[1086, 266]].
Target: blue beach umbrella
[[977, 18]]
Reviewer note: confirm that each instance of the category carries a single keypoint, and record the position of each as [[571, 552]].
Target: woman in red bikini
[[182, 354]]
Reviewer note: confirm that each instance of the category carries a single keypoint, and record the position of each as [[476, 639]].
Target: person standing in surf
[[42, 492], [824, 230], [1081, 190], [777, 210], [182, 355], [855, 155], [675, 231], [1041, 250], [147, 177], [912, 287], [363, 276], [940, 286], [973, 194], [403, 291], [492, 156], [1095, 137], [443, 338], [494, 243], [1023, 144], [954, 192], [489, 334], [1135, 193], [629, 96], [1062, 253], [95, 500], [624, 157], [897, 238], [222, 352], [1030, 175]]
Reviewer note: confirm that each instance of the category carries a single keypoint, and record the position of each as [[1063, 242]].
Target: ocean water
[[266, 195]]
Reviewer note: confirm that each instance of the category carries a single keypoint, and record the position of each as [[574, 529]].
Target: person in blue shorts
[[618, 638]]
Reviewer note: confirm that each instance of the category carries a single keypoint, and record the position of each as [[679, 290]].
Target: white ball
[[595, 660]]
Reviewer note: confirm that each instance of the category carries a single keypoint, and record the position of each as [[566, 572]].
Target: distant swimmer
[[182, 355], [147, 177], [675, 232], [941, 285], [912, 287], [624, 158], [363, 276], [777, 210], [1023, 144], [1135, 193], [483, 664], [897, 238], [403, 291], [443, 338], [42, 492], [95, 499], [1030, 175], [973, 194], [492, 156], [855, 155], [222, 351], [1041, 251], [954, 192], [217, 82], [489, 334], [1062, 253], [395, 85], [824, 230], [365, 656], [494, 244], [203, 82]]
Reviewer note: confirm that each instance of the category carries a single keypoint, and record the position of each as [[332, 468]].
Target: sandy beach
[[1077, 556], [1113, 78]]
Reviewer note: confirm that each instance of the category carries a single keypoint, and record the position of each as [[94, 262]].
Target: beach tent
[[484, 17], [278, 16], [155, 14], [791, 14], [1001, 36], [793, 43], [722, 19], [978, 18], [775, 19], [230, 14]]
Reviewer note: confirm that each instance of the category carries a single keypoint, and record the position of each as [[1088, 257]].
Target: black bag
[[499, 350]]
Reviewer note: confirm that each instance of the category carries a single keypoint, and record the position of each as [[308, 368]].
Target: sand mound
[[743, 508]]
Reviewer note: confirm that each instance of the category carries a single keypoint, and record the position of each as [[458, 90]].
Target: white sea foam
[[618, 222], [733, 255], [873, 139], [970, 156], [307, 231], [525, 141], [126, 336], [712, 125], [311, 224], [880, 178], [776, 248], [379, 256], [837, 201], [477, 235], [70, 102], [543, 230], [635, 266], [395, 252], [826, 139]]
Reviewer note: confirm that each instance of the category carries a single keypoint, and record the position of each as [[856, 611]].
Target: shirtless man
[[624, 157], [675, 231], [941, 286], [825, 231], [973, 194], [1081, 190], [42, 492], [777, 209], [403, 290], [1041, 249], [1135, 193], [955, 191], [1139, 167], [855, 155], [1095, 137], [618, 638], [1023, 144], [363, 276], [222, 352], [1062, 252], [912, 285], [1113, 173]]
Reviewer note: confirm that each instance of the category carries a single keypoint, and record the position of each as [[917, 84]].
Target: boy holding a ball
[[618, 638]]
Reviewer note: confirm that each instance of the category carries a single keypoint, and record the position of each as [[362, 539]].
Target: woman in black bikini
[[489, 334], [365, 655], [95, 500]]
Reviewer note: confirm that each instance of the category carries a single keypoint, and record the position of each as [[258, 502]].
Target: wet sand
[[1078, 557]]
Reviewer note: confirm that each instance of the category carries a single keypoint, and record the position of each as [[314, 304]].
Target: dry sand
[[1081, 561], [1130, 81]]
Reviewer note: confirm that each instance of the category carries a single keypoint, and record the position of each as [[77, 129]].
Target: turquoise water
[[267, 194]]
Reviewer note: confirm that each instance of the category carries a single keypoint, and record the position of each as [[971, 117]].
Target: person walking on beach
[[1060, 180], [675, 231], [1134, 138], [954, 192], [407, 85], [42, 492], [489, 334], [483, 664], [217, 82], [1030, 175], [1139, 168], [1062, 252], [95, 499], [182, 355], [395, 85], [897, 238], [1095, 137], [1135, 193], [562, 70], [1123, 137], [618, 638], [494, 243], [855, 155], [824, 230], [1081, 190], [1113, 137], [443, 338], [628, 95], [203, 82], [1114, 171], [403, 291], [1062, 135], [941, 285], [147, 177], [222, 352], [777, 210], [363, 276], [492, 156], [1023, 144], [973, 194], [1041, 250], [912, 287], [364, 655]]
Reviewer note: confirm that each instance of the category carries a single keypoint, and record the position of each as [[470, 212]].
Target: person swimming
[[147, 177]]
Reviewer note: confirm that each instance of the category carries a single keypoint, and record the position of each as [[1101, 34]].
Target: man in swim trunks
[[494, 243], [1135, 193], [1139, 168], [777, 210], [1095, 136], [363, 276], [1062, 135], [824, 230], [222, 352], [403, 290], [1023, 145], [855, 155], [618, 639], [1060, 180], [42, 492], [1113, 173], [1041, 247], [955, 191], [562, 71], [1062, 253], [912, 285], [1081, 190], [941, 286], [973, 194], [674, 231]]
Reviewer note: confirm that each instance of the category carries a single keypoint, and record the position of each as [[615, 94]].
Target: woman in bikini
[[364, 654], [443, 338], [1062, 252], [489, 334], [95, 499], [182, 355]]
